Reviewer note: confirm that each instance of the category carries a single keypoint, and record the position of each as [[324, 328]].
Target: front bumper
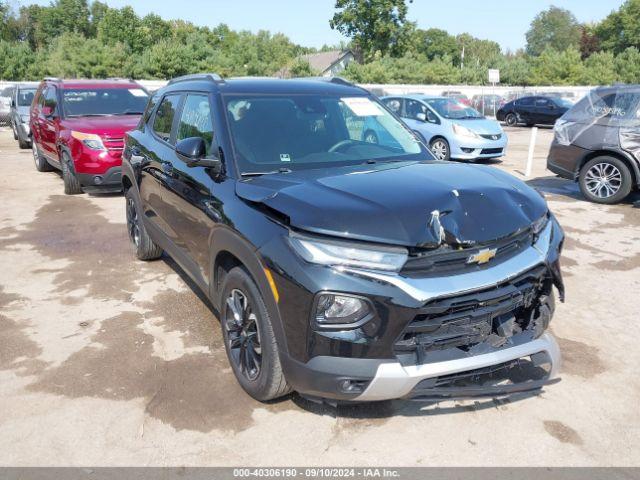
[[365, 364], [109, 181], [463, 148]]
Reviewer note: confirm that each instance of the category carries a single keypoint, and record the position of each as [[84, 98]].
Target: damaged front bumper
[[447, 336], [393, 380]]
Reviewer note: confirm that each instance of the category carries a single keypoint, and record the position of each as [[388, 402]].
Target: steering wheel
[[341, 144]]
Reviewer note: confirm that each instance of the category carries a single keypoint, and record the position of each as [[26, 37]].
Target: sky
[[306, 22]]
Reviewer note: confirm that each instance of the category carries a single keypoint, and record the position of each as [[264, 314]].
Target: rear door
[[546, 111], [154, 155], [526, 110], [190, 192]]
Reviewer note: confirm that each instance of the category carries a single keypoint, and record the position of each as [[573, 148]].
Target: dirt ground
[[108, 361]]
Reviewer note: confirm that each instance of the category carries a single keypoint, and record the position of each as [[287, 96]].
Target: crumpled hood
[[392, 203]]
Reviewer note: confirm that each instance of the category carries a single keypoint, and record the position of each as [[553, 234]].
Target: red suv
[[78, 127]]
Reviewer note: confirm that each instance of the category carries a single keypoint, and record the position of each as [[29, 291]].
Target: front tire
[[249, 340], [511, 119], [15, 131], [605, 180], [40, 162], [144, 248], [440, 149], [71, 183]]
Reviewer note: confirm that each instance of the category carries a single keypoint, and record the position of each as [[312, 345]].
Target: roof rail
[[210, 77], [337, 80]]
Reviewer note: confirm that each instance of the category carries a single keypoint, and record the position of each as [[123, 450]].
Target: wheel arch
[[229, 250], [631, 164]]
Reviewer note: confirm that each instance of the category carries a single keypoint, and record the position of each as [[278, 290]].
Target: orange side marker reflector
[[272, 284]]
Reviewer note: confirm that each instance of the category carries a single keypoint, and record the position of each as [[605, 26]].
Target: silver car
[[451, 129], [20, 104], [5, 103]]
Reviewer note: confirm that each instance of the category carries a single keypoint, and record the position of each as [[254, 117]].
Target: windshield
[[453, 109], [6, 92], [103, 101], [292, 132], [25, 96]]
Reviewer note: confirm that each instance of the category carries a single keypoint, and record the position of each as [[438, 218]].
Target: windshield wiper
[[272, 172]]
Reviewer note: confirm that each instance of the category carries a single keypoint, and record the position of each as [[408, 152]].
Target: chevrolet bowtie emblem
[[483, 256]]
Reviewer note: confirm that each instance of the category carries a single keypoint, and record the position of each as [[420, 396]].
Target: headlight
[[24, 118], [336, 253], [539, 225], [92, 141], [464, 131]]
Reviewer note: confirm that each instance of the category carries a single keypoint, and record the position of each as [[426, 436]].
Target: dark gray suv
[[597, 143]]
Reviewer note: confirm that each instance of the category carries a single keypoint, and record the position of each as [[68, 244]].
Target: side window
[[195, 120], [393, 104], [415, 110], [542, 102], [153, 101], [165, 114], [41, 96], [525, 102], [50, 98]]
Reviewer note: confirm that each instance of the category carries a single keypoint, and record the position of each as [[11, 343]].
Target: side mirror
[[193, 150], [47, 111], [13, 103], [422, 117]]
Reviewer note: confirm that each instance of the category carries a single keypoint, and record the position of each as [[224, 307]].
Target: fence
[[476, 92]]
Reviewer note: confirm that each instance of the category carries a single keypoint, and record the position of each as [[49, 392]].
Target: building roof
[[321, 62]]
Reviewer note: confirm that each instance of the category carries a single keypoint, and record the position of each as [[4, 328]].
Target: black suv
[[597, 143], [532, 111], [343, 269]]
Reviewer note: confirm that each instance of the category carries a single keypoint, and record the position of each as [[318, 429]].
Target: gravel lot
[[105, 360]]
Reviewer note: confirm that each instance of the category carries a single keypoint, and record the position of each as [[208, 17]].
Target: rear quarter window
[[610, 108]]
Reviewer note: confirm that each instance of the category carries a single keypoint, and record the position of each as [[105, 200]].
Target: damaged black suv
[[344, 269]]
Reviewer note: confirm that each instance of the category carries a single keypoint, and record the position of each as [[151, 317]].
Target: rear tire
[[41, 163], [249, 340], [511, 119], [144, 248], [606, 180], [24, 145], [71, 183]]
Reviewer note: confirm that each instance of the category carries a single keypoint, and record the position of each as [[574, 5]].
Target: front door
[[190, 195], [49, 124]]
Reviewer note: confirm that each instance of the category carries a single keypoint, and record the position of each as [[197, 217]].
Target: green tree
[[621, 29], [555, 28], [123, 26], [435, 42], [628, 65], [557, 68], [301, 68], [599, 69], [377, 27]]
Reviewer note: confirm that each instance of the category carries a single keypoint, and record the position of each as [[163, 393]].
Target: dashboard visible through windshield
[[282, 133]]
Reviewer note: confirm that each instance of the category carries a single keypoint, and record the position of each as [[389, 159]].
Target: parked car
[[78, 127], [533, 110], [597, 144], [459, 96], [450, 129], [487, 104], [5, 104], [343, 269], [21, 101]]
